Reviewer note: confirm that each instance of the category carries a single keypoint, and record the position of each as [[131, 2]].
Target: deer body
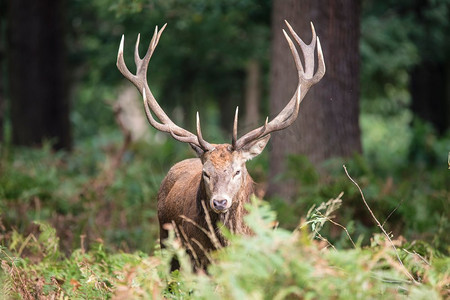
[[187, 196], [199, 194]]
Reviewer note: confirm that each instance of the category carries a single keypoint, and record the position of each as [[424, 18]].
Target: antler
[[306, 79], [165, 124]]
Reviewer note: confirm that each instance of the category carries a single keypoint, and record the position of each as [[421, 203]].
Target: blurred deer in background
[[198, 193]]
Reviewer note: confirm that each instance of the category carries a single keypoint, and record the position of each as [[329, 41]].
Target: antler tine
[[152, 46], [235, 125], [298, 62], [165, 124], [306, 79], [321, 69], [204, 144], [252, 135], [142, 64], [308, 52], [121, 63], [137, 58], [301, 43]]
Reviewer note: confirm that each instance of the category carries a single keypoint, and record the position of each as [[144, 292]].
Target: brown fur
[[181, 194], [221, 157]]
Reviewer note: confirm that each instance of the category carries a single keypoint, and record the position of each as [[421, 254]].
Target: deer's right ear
[[198, 151], [254, 148]]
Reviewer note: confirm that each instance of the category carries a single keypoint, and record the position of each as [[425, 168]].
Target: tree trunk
[[37, 81], [3, 9], [327, 124], [252, 95], [430, 94]]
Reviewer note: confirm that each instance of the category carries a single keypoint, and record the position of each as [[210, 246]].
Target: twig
[[418, 255], [343, 227], [320, 237], [204, 251], [188, 244], [189, 220], [214, 239], [398, 205], [211, 235], [380, 226], [82, 240]]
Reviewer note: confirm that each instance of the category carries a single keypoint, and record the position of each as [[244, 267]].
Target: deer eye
[[206, 175]]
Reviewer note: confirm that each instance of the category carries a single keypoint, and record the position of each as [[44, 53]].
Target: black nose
[[220, 204]]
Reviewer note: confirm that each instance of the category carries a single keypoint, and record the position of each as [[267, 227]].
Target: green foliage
[[397, 36], [80, 202], [272, 264], [54, 202], [415, 204], [403, 172], [200, 61], [84, 275], [82, 194], [387, 54]]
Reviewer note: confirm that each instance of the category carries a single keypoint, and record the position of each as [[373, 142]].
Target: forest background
[[80, 168]]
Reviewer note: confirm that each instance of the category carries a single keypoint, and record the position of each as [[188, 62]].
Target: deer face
[[225, 174]]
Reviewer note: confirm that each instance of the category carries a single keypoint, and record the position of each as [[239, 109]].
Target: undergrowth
[[78, 226], [83, 193], [272, 264]]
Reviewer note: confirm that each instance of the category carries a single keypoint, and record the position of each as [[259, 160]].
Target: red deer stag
[[198, 193]]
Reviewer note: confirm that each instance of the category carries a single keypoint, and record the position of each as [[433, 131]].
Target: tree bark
[[3, 9], [36, 67], [429, 80], [252, 94], [430, 94], [327, 125]]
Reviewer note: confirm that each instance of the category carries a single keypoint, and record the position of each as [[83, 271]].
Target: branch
[[380, 226]]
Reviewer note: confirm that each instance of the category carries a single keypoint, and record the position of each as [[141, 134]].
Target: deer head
[[224, 172]]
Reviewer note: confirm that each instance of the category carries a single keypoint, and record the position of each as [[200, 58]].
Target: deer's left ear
[[254, 148]]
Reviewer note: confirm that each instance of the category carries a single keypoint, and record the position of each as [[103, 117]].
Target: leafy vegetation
[[55, 202], [403, 172], [210, 42], [80, 225], [272, 264]]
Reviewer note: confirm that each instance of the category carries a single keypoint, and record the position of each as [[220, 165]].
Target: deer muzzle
[[220, 204]]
